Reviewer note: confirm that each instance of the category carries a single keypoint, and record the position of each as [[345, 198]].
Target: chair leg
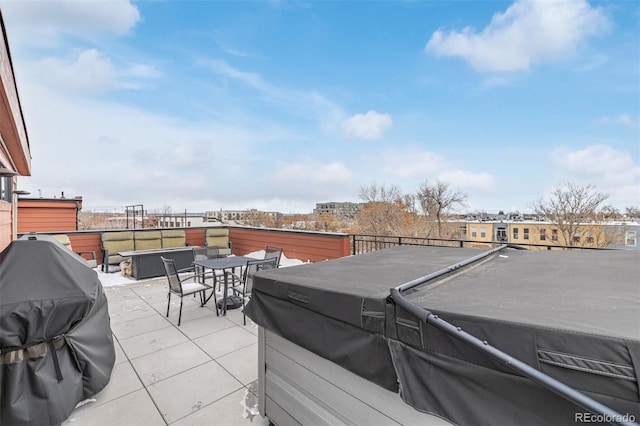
[[168, 303], [180, 316], [244, 305], [215, 299]]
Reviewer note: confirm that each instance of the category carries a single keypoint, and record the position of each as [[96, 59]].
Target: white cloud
[[311, 105], [418, 165], [611, 170], [143, 71], [371, 125], [87, 71], [621, 120], [251, 79], [311, 173], [528, 32], [114, 155], [312, 181], [41, 23], [412, 163], [599, 161]]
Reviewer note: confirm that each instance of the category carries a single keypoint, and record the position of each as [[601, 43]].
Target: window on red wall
[[5, 188]]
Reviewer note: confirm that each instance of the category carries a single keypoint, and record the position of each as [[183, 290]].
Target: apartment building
[[238, 215], [342, 210], [180, 220], [526, 232]]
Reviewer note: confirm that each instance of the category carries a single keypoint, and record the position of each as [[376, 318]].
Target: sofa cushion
[[147, 240], [117, 241], [218, 237], [173, 238]]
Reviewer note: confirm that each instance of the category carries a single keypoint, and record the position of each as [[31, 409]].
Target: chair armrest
[[92, 253], [187, 269], [193, 271], [234, 277]]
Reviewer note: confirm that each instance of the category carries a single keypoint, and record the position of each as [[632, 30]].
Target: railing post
[[353, 244]]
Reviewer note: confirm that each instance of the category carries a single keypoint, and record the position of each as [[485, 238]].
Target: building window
[[525, 233], [483, 232], [543, 234], [5, 188], [554, 235], [630, 238], [588, 237], [474, 232], [515, 233], [576, 237]]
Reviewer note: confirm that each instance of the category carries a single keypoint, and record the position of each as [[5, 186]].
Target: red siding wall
[[86, 242], [306, 246], [43, 215], [5, 224], [195, 237]]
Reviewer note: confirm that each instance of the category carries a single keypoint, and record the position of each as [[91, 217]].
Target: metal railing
[[364, 243]]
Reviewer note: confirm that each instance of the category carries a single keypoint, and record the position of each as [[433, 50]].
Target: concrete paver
[[201, 373]]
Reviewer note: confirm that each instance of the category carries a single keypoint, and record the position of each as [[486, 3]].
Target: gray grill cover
[[46, 291]]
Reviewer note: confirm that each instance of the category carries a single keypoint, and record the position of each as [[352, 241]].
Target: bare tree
[[383, 211], [409, 201], [632, 212], [90, 220], [379, 193], [609, 212], [439, 200], [572, 208]]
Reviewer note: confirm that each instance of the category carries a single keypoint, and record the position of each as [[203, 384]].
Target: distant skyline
[[279, 105]]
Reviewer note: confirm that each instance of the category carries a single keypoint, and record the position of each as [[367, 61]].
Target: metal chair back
[[254, 266], [172, 275], [272, 252], [202, 253]]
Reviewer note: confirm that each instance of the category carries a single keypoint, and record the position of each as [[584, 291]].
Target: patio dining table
[[222, 264]]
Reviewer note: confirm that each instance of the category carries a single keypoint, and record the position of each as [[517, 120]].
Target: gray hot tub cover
[[55, 335]]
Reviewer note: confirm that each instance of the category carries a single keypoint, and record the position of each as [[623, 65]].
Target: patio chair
[[181, 287], [272, 252], [243, 284], [65, 241], [202, 253]]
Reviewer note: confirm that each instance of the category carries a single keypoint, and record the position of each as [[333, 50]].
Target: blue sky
[[278, 105]]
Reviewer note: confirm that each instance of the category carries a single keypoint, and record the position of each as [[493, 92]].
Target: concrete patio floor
[[201, 373]]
